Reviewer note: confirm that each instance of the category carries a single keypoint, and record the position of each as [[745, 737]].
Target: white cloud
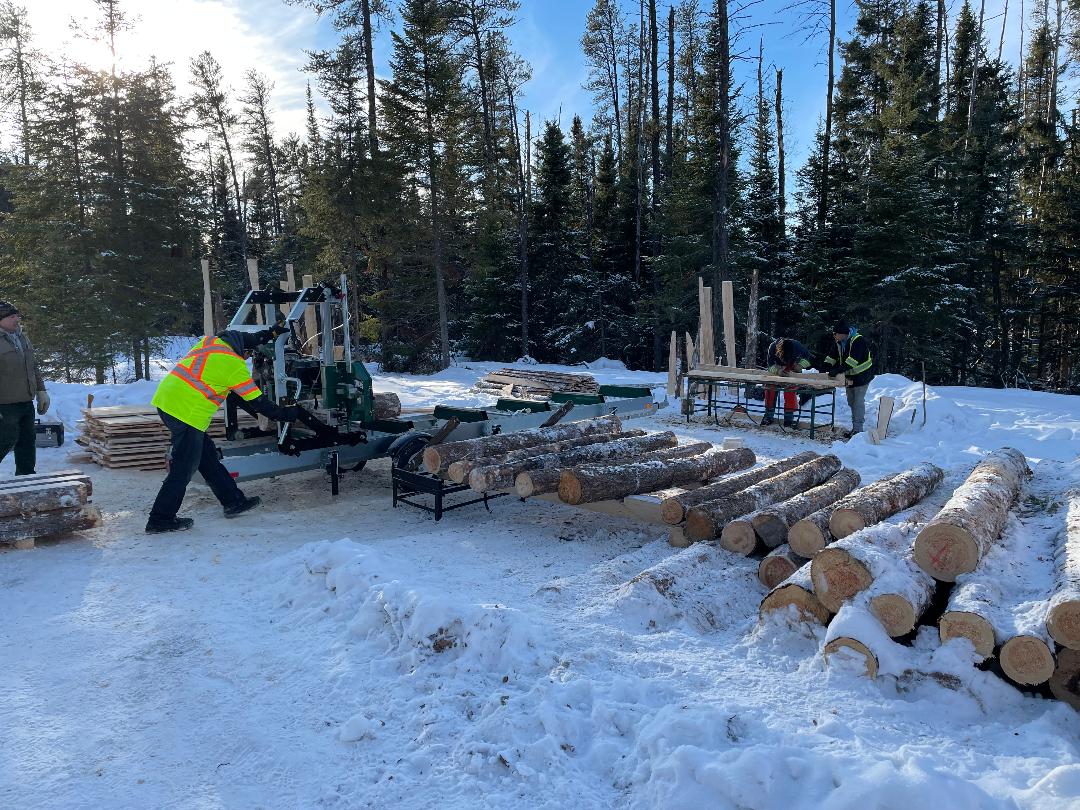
[[266, 35]]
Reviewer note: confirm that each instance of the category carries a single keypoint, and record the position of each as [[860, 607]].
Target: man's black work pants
[[191, 450], [17, 431]]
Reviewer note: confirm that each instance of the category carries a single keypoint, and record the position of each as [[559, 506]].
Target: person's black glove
[[291, 413], [278, 329]]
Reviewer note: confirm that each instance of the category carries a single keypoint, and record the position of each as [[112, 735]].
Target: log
[[1027, 660], [810, 535], [386, 406], [778, 565], [437, 459], [849, 649], [541, 482], [43, 524], [770, 524], [1063, 619], [1065, 682], [856, 641], [707, 520], [502, 476], [972, 626], [851, 565], [459, 471], [873, 504], [590, 484], [796, 591], [42, 497], [673, 510], [973, 518]]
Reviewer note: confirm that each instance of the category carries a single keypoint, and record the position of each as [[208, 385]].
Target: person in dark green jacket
[[20, 384], [851, 357]]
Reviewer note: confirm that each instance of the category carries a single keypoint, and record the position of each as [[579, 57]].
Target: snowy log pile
[[528, 383], [34, 506]]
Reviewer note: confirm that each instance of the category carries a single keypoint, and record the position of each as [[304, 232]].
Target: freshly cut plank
[[1065, 682], [706, 521], [1063, 620], [589, 484], [501, 476], [796, 591], [673, 510], [778, 565], [41, 479], [771, 523], [42, 497], [42, 524], [973, 518], [459, 471], [850, 566], [437, 459], [871, 505]]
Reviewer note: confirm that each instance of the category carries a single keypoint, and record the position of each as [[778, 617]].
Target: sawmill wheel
[[406, 449]]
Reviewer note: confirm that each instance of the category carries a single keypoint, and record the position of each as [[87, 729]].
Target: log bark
[[707, 520], [591, 484], [851, 565], [438, 459], [387, 406], [796, 592], [874, 504], [778, 565], [1063, 620], [673, 510], [807, 537], [771, 523], [541, 482], [501, 476], [459, 471], [1065, 682], [42, 497], [972, 520], [43, 524]]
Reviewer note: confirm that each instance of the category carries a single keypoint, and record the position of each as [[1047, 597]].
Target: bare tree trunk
[[485, 104], [720, 196], [436, 224], [781, 172], [670, 133], [974, 74], [369, 70], [826, 138]]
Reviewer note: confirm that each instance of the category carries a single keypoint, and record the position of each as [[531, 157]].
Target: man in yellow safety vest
[[187, 400]]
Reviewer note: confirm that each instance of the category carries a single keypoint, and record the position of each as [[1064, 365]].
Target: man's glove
[[278, 329], [291, 413], [43, 402]]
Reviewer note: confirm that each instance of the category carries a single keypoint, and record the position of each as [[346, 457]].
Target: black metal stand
[[738, 400], [409, 485]]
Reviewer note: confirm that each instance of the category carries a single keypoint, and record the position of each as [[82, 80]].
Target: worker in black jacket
[[786, 357], [851, 356]]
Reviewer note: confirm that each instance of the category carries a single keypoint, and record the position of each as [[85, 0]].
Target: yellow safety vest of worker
[[194, 390]]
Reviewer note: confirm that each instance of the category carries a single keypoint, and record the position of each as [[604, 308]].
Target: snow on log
[[1065, 682], [437, 459], [591, 484], [673, 510], [965, 624], [706, 521], [459, 471], [850, 566], [857, 642], [501, 475], [797, 592], [873, 504], [1063, 621], [971, 521], [778, 565], [771, 523], [541, 482]]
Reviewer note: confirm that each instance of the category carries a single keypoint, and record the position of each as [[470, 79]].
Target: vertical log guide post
[[253, 276], [288, 285], [310, 328], [727, 295], [672, 368], [208, 303]]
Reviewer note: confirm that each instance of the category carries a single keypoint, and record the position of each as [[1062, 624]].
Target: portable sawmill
[[341, 432]]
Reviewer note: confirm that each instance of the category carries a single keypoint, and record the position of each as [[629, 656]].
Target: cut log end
[[843, 522], [806, 539], [851, 654], [808, 606], [1065, 682], [838, 576], [432, 461], [773, 570], [945, 551], [1063, 624], [569, 488], [677, 538], [455, 472], [895, 613], [738, 537], [699, 526], [671, 511], [961, 624], [1027, 660]]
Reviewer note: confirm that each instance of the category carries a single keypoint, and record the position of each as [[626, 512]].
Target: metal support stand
[[738, 400], [408, 485], [333, 467]]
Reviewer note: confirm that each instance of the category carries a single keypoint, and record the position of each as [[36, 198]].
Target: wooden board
[[885, 412], [728, 298], [208, 301], [825, 384]]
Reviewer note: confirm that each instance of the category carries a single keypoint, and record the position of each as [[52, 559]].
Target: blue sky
[[271, 36]]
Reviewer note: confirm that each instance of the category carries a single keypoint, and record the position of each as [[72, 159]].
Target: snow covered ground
[[337, 653]]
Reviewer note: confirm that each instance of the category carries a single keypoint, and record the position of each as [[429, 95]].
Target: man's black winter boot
[[241, 506], [162, 525]]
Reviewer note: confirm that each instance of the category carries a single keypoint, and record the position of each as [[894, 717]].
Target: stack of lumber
[[33, 506], [527, 383], [133, 436]]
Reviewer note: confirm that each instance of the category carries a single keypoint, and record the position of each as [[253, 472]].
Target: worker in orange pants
[[786, 357]]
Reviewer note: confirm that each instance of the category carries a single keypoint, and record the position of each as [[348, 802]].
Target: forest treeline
[[938, 210]]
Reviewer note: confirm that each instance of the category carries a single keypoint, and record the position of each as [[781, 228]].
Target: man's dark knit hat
[[6, 309]]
